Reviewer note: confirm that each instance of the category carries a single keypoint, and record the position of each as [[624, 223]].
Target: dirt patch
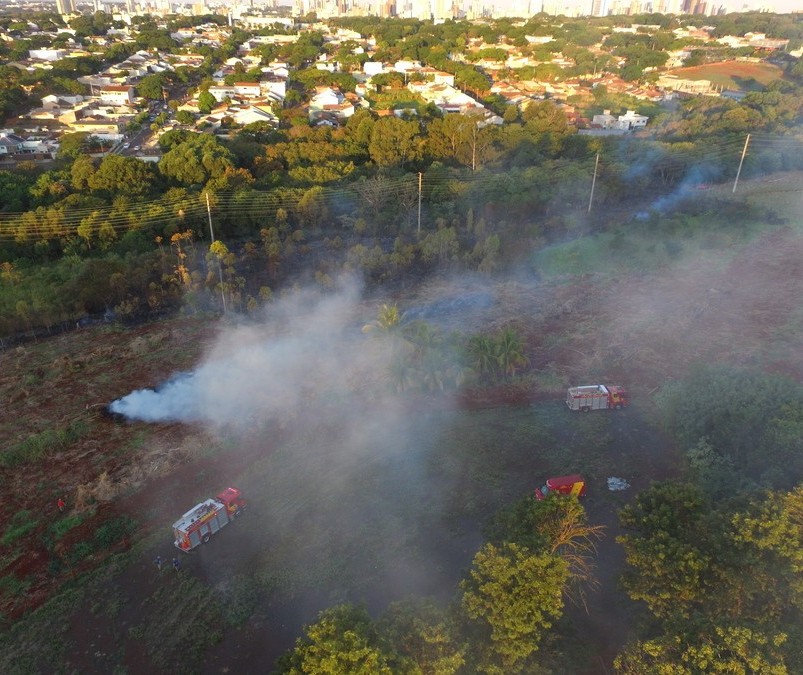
[[733, 74]]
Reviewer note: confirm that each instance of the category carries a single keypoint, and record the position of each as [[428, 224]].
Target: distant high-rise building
[[65, 6]]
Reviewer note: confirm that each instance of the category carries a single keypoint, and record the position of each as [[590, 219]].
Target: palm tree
[[387, 319], [509, 352], [482, 352]]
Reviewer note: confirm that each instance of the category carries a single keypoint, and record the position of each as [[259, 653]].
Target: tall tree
[[395, 142], [196, 160], [342, 640], [516, 596]]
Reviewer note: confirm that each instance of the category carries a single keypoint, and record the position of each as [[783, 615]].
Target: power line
[[57, 221]]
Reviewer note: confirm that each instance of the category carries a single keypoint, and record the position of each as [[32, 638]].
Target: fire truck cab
[[202, 521], [564, 485]]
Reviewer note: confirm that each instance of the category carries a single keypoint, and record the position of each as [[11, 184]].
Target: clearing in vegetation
[[739, 75]]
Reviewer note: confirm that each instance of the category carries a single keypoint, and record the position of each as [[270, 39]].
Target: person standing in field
[[60, 503]]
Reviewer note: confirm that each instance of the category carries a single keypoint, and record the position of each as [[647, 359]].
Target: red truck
[[564, 485], [198, 525], [597, 397]]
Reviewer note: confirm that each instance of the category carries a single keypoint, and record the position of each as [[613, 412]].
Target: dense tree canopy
[[196, 160]]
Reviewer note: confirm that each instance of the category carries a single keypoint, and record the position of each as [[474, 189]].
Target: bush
[[737, 421], [112, 532], [60, 527], [39, 445], [11, 586], [20, 525]]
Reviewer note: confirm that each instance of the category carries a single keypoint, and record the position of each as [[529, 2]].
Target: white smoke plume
[[310, 350]]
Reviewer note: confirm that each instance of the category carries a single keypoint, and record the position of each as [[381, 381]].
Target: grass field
[[349, 500], [739, 75]]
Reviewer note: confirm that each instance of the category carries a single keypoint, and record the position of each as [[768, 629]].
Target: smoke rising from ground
[[310, 350]]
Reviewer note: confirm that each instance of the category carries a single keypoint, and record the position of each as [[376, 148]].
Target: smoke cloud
[[309, 350]]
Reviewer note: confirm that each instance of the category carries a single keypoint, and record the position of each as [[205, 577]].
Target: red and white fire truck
[[198, 525], [596, 397], [562, 485]]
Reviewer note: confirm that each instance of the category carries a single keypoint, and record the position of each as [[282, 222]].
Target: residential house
[[325, 63], [511, 94], [371, 68], [674, 83], [677, 58], [117, 95], [632, 121], [97, 126], [329, 104], [47, 54], [406, 66], [248, 89], [61, 101], [438, 76], [604, 121], [277, 69], [538, 39], [10, 143], [222, 91], [274, 88], [242, 115], [445, 98]]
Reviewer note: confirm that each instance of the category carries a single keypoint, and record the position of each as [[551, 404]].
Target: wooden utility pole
[[420, 177], [212, 241], [741, 161], [209, 213], [593, 183]]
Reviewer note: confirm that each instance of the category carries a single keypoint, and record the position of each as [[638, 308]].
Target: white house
[[438, 76], [113, 94], [248, 89], [244, 114], [604, 121], [273, 87], [61, 101], [47, 54], [406, 66], [371, 68], [222, 91], [632, 121]]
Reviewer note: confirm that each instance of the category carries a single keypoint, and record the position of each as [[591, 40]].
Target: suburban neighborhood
[[156, 89]]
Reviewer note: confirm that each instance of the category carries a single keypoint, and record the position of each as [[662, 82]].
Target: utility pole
[[593, 183], [212, 240], [420, 177], [741, 161], [209, 213]]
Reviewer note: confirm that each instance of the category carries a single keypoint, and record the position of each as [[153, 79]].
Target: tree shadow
[[747, 83]]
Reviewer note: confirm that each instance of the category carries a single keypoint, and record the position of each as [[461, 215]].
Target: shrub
[[39, 445], [20, 525], [60, 527], [110, 533], [11, 586]]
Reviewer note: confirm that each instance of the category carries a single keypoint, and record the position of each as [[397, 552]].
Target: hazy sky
[[779, 6]]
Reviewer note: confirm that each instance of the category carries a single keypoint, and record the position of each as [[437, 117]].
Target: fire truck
[[564, 485], [198, 525], [596, 397]]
